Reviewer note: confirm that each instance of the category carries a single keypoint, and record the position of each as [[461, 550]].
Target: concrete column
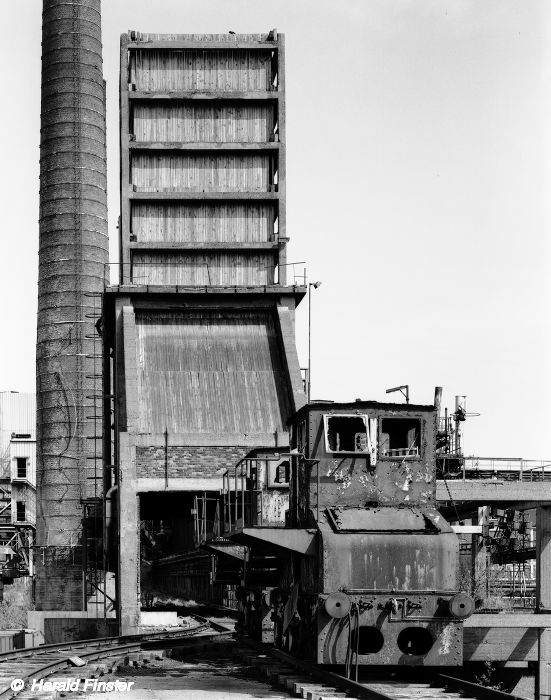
[[129, 526], [291, 356], [480, 556], [129, 542], [543, 599], [265, 612]]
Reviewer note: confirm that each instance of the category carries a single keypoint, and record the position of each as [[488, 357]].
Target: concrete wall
[[59, 578]]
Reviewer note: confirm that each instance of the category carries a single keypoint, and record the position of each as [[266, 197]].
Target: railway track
[[293, 676], [40, 662], [312, 683]]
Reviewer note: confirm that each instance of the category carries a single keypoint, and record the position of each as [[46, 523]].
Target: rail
[[309, 680], [511, 468], [24, 661]]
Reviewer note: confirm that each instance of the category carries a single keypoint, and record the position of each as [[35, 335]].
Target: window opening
[[278, 473], [282, 472], [21, 467], [20, 512], [400, 437], [351, 434], [346, 434]]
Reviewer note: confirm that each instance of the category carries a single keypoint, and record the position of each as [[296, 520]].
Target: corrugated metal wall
[[191, 123], [158, 162], [26, 449], [198, 269], [17, 415], [175, 172], [211, 372], [169, 70], [201, 223]]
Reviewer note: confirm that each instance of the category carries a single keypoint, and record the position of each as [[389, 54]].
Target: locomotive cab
[[383, 588]]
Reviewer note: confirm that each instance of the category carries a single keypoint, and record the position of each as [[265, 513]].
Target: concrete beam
[[508, 620], [272, 95], [173, 44], [203, 146], [144, 485], [185, 195], [486, 491], [143, 293], [500, 644], [208, 440]]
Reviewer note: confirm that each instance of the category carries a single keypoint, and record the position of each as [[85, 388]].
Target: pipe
[[111, 500], [438, 399]]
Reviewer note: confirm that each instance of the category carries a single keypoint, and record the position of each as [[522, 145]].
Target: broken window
[[20, 512], [346, 433], [21, 467], [352, 434], [278, 473], [400, 437]]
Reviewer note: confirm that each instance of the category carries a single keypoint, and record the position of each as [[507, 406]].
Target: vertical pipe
[[242, 496], [318, 490], [73, 252], [236, 494], [309, 341], [166, 458], [438, 400]]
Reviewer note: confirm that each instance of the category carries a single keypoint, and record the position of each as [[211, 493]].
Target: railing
[[206, 525], [242, 501], [143, 274], [509, 468]]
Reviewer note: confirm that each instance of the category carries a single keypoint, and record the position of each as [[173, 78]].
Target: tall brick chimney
[[73, 255]]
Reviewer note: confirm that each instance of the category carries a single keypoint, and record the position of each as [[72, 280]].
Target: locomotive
[[343, 556]]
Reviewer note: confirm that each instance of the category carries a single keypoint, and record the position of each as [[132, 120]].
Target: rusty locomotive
[[339, 550]]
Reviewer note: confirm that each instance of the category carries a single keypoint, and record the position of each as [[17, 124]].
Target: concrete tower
[[73, 255]]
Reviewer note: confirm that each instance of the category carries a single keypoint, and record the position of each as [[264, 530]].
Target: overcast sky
[[418, 163]]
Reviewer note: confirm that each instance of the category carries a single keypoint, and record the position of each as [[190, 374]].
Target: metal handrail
[[238, 502], [526, 469]]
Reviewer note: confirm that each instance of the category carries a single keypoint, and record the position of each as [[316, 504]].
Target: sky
[[418, 173]]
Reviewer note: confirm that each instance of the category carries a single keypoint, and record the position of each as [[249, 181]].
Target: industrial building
[[17, 483], [151, 389]]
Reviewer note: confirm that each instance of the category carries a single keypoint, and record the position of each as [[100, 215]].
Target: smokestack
[[73, 252], [438, 399]]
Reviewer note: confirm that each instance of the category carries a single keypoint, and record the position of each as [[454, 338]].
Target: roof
[[352, 406]]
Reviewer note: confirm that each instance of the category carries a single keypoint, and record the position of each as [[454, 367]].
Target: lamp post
[[310, 285]]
